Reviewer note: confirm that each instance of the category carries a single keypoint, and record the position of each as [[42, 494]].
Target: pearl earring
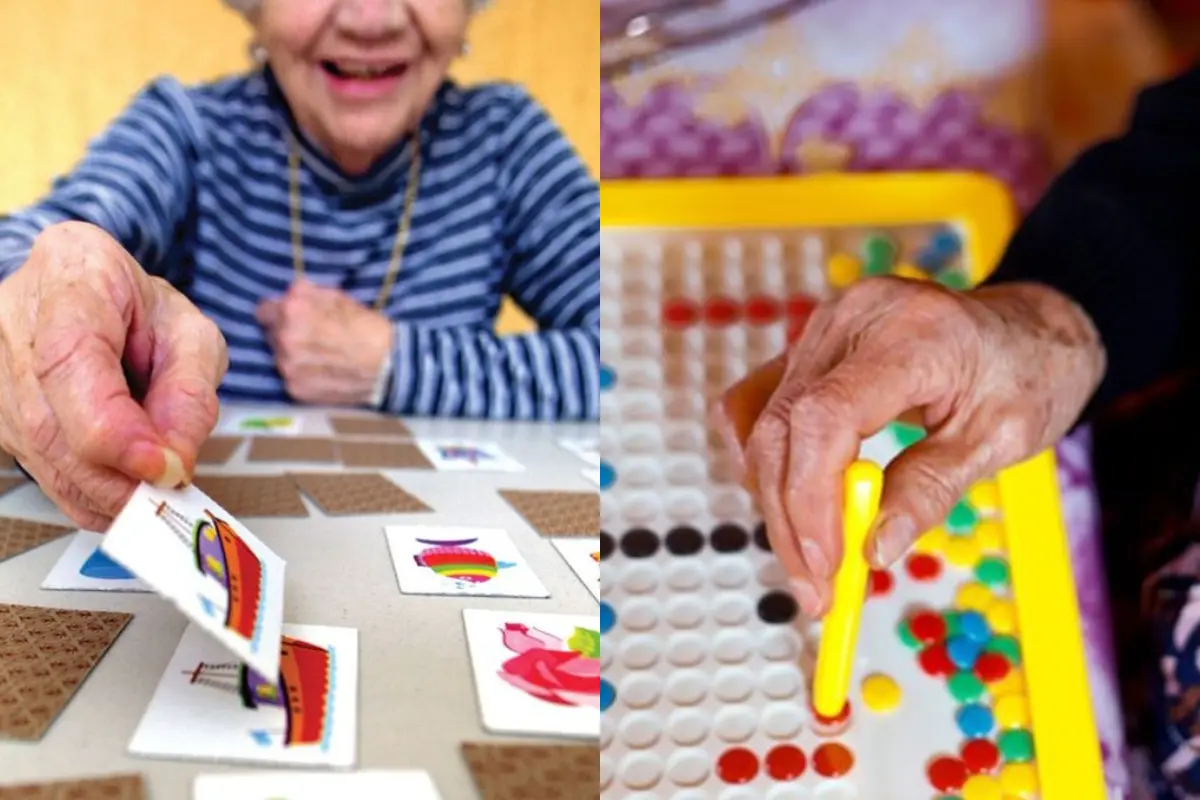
[[465, 49], [257, 53]]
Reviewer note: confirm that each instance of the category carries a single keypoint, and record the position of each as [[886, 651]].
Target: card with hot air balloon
[[583, 557], [211, 707], [83, 566], [536, 674], [479, 562], [193, 552]]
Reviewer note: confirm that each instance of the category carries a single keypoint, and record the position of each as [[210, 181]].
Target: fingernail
[[173, 473], [892, 537], [806, 596], [815, 559]]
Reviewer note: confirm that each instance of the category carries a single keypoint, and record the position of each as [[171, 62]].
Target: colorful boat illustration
[[222, 555], [304, 692], [456, 561]]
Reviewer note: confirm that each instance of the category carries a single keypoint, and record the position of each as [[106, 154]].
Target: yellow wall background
[[69, 66]]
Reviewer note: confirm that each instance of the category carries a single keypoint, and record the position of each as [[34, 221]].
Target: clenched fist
[[329, 348]]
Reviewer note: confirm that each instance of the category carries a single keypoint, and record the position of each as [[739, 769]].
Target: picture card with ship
[[463, 456], [536, 673], [482, 562], [193, 552], [305, 716], [84, 567], [361, 785]]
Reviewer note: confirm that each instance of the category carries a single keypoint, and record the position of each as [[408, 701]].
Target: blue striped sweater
[[193, 181]]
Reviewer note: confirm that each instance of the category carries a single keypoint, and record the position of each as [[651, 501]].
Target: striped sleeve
[[135, 181], [551, 232]]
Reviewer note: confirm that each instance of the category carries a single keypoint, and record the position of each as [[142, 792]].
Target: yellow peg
[[839, 633]]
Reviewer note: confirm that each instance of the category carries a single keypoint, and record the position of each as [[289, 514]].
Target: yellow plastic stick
[[839, 633]]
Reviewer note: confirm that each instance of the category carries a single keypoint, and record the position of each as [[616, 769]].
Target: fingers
[[78, 341], [736, 412], [827, 425], [767, 457], [191, 360], [920, 487]]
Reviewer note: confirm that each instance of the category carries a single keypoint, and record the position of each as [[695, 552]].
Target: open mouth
[[362, 72]]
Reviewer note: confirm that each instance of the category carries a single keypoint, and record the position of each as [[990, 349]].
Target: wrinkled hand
[[994, 375], [329, 347], [109, 376]]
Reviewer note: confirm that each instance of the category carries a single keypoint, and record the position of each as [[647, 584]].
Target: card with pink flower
[[536, 674]]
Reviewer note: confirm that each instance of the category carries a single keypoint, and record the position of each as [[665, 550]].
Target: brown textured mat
[[7, 461], [18, 536], [121, 787], [382, 455], [558, 513], [10, 482], [45, 655], [297, 449], [368, 426], [219, 449], [343, 494], [534, 772], [254, 495]]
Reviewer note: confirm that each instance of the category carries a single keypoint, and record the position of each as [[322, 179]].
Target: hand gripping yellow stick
[[839, 633]]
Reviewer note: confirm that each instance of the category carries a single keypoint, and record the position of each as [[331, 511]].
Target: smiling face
[[358, 74]]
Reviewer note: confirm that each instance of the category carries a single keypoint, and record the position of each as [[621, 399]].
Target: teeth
[[360, 72]]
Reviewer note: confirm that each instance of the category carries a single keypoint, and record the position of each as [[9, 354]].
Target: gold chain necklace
[[402, 229]]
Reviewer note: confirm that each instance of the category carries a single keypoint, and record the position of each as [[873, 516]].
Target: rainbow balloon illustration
[[457, 561]]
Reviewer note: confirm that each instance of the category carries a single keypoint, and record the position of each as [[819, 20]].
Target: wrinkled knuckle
[[65, 489], [201, 398], [40, 430], [770, 432], [109, 495], [823, 406], [77, 246], [865, 293], [938, 489]]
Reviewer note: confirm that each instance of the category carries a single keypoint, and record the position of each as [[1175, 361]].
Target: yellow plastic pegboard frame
[[1064, 731]]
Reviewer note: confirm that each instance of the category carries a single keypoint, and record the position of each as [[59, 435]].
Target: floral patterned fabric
[[941, 86]]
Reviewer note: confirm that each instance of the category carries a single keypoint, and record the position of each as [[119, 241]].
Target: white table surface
[[416, 692]]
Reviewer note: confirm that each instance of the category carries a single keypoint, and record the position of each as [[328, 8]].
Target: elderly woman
[[338, 226]]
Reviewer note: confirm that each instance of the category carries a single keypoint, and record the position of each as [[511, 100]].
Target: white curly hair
[[246, 6]]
